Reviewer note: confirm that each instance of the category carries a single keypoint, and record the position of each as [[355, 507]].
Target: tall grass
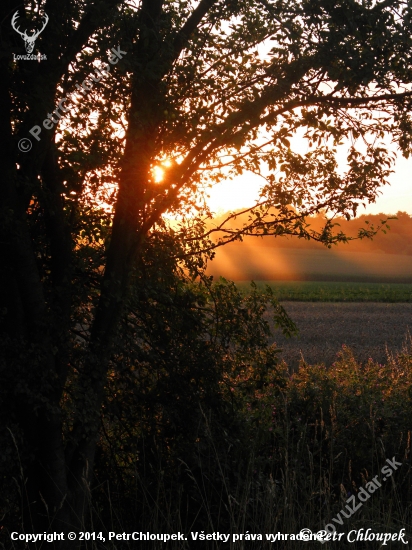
[[300, 445]]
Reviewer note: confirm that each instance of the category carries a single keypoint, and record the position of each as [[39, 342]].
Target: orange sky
[[243, 191]]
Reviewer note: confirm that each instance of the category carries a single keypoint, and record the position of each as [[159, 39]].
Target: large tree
[[210, 89]]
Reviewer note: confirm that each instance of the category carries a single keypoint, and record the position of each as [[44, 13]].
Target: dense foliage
[[203, 90], [282, 452]]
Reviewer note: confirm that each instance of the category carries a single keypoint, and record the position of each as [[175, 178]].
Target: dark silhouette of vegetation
[[111, 360]]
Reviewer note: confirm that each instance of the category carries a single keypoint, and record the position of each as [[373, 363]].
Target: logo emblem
[[29, 40]]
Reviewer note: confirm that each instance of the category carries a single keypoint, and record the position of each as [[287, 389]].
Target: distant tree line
[[393, 237]]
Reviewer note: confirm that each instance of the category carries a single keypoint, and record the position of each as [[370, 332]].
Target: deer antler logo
[[29, 40]]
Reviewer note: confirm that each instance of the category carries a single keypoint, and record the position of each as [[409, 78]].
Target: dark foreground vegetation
[[202, 427], [135, 394]]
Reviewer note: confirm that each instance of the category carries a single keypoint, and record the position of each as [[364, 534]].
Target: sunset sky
[[243, 191]]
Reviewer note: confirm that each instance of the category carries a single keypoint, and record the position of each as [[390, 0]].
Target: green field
[[313, 291]]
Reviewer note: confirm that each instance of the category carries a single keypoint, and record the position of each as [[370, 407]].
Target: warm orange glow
[[158, 174], [158, 171], [261, 260], [243, 191]]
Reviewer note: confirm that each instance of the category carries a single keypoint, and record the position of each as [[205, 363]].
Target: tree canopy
[[205, 90]]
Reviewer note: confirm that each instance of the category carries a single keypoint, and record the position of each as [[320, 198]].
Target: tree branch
[[190, 26]]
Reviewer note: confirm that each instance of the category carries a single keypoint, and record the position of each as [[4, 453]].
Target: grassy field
[[313, 291]]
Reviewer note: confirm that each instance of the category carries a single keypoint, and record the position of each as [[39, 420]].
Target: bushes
[[173, 433], [204, 430], [328, 432]]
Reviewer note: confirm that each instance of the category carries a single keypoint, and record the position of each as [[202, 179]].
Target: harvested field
[[369, 329]]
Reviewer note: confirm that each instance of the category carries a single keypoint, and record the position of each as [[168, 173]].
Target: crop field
[[374, 320], [371, 330], [325, 291]]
